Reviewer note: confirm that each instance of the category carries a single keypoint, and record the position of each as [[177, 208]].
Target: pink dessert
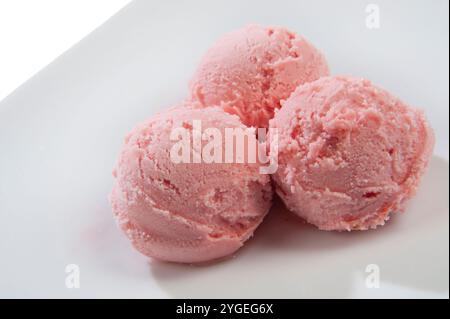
[[185, 212], [349, 153], [249, 71]]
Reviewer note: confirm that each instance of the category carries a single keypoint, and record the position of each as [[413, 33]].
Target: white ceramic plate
[[61, 131]]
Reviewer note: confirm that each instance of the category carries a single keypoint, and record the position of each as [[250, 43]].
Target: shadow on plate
[[291, 259]]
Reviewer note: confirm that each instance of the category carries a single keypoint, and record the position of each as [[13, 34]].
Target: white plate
[[61, 131]]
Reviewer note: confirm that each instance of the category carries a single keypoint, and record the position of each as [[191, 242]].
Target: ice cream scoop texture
[[349, 153], [249, 71], [185, 212]]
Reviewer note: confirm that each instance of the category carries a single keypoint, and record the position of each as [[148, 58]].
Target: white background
[[61, 131], [33, 33]]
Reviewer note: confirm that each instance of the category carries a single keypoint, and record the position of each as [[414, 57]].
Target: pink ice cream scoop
[[249, 71], [186, 211], [349, 153]]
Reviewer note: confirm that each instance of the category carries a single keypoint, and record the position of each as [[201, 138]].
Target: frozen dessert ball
[[186, 212], [247, 72], [349, 154]]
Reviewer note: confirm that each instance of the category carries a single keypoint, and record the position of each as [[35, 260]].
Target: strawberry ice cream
[[185, 212], [349, 153], [249, 71]]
